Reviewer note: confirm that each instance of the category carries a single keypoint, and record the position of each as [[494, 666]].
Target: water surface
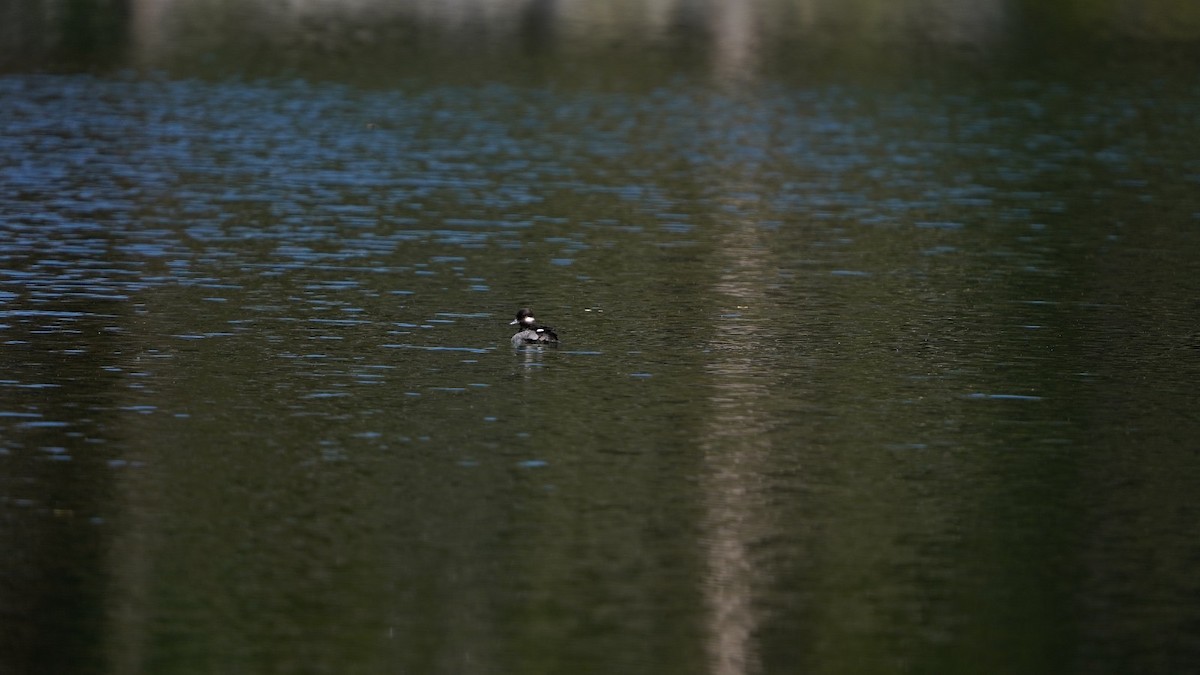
[[856, 375]]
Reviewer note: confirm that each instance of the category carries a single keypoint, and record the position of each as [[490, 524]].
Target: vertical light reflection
[[149, 33], [736, 449], [735, 49], [129, 615]]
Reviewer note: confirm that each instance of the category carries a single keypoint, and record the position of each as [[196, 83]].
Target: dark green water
[[870, 363]]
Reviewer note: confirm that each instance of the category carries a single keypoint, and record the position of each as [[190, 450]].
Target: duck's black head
[[524, 318]]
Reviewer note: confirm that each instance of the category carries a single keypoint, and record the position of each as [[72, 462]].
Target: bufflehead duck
[[529, 332]]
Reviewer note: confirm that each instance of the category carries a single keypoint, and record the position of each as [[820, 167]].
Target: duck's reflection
[[530, 358]]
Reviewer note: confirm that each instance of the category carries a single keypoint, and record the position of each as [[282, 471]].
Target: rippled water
[[853, 378]]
